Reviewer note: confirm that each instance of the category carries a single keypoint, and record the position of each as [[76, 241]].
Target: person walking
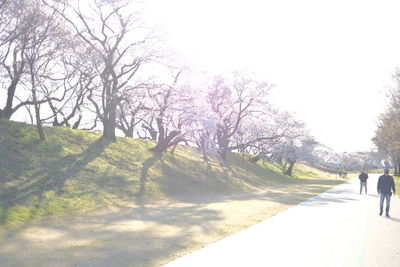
[[385, 188], [363, 181]]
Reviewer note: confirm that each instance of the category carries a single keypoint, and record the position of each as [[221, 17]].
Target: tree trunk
[[173, 149], [109, 131], [396, 165], [39, 126], [149, 129], [76, 124], [7, 111], [223, 153], [30, 114], [129, 131], [222, 141], [291, 165], [55, 122], [203, 146], [164, 143], [110, 122], [223, 148], [387, 164], [255, 159]]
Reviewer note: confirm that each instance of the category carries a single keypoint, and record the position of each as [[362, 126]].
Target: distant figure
[[385, 188], [363, 181]]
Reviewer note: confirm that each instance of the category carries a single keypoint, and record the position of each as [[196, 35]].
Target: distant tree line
[[387, 134], [96, 65]]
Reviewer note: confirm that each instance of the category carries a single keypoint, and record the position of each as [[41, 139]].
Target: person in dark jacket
[[385, 188], [363, 181]]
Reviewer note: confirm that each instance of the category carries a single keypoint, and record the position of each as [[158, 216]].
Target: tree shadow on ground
[[325, 169], [253, 173], [193, 180], [52, 176], [140, 196], [212, 183], [19, 148], [143, 236]]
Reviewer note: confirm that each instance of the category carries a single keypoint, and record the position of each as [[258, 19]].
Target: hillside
[[72, 172]]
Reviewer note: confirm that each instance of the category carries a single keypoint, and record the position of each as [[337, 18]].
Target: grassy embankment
[[73, 173], [397, 184], [375, 171]]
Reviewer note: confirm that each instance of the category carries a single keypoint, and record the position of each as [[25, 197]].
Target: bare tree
[[108, 31], [202, 134], [14, 38], [172, 114], [261, 135], [73, 85], [27, 34], [387, 134], [234, 101], [132, 109], [294, 150], [42, 56]]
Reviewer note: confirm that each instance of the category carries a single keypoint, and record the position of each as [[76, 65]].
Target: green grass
[[72, 172], [397, 184], [376, 171]]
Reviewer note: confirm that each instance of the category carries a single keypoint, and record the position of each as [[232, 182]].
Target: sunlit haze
[[331, 61]]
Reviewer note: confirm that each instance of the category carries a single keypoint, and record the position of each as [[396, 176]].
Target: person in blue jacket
[[385, 188]]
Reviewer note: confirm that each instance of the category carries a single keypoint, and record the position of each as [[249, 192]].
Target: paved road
[[337, 228]]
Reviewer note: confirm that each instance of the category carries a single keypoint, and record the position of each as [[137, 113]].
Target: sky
[[331, 61]]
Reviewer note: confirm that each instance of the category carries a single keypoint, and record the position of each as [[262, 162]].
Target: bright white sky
[[331, 61]]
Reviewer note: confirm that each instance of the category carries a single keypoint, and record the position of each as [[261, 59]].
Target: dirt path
[[337, 228], [150, 235]]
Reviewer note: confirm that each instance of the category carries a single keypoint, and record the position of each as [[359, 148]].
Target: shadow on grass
[[144, 236], [192, 181], [52, 176], [140, 196], [264, 171], [196, 182], [325, 169], [303, 173], [19, 147]]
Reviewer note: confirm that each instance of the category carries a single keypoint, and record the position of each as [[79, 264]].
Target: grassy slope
[[397, 184], [72, 173]]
